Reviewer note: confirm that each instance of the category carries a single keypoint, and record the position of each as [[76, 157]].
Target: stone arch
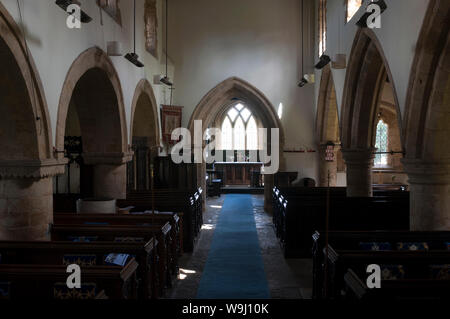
[[92, 88], [22, 86], [428, 84], [426, 130], [365, 78], [217, 99], [327, 127], [91, 65], [145, 136], [144, 99], [26, 159]]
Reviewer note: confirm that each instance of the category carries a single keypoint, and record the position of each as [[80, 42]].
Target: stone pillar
[[26, 198], [359, 171], [326, 167], [110, 173], [110, 181], [429, 194]]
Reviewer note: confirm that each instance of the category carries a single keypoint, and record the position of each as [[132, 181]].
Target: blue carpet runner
[[234, 268]]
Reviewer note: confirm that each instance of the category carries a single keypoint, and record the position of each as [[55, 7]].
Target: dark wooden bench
[[402, 289], [298, 212], [415, 264], [352, 240], [87, 253], [126, 233], [42, 281], [188, 204], [132, 219]]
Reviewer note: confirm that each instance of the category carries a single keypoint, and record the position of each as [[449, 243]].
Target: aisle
[[234, 268]]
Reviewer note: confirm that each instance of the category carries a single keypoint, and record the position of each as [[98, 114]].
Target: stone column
[[359, 171], [429, 194], [110, 173], [26, 198], [326, 167]]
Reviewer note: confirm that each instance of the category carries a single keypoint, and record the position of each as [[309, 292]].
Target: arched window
[[352, 7], [381, 144], [322, 26], [239, 129]]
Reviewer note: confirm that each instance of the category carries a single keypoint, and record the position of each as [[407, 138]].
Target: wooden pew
[[184, 203], [134, 219], [403, 289], [41, 281], [87, 253], [296, 217], [125, 233], [416, 265], [350, 241]]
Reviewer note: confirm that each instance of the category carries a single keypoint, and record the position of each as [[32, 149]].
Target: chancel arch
[[91, 106], [145, 133], [219, 100], [365, 84], [26, 157], [426, 123]]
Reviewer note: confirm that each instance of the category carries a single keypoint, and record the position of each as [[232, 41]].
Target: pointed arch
[[366, 74], [215, 101], [427, 99], [327, 117], [94, 65], [144, 96]]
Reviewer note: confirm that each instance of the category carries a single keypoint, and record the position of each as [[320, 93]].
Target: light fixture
[[323, 61], [64, 4], [303, 82], [133, 57], [165, 80], [362, 22]]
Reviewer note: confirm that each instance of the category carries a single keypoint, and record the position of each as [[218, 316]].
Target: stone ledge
[[32, 168]]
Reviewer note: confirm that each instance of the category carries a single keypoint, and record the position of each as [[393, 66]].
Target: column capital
[[32, 168], [427, 172], [358, 155]]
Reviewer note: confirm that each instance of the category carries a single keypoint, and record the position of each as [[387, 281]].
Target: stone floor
[[287, 278]]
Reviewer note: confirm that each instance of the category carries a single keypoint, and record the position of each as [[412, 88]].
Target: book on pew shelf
[[117, 259]]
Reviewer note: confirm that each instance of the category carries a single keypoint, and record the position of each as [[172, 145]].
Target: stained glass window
[[239, 129], [381, 144]]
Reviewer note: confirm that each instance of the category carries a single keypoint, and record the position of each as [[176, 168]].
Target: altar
[[240, 173]]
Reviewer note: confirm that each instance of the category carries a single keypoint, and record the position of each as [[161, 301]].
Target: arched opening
[[327, 131], [426, 129], [219, 100], [26, 157], [369, 95], [145, 137], [91, 130]]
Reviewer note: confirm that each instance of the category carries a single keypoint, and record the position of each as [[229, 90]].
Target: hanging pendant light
[[165, 80], [133, 57]]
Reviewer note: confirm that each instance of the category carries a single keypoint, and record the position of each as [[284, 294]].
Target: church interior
[[225, 149]]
